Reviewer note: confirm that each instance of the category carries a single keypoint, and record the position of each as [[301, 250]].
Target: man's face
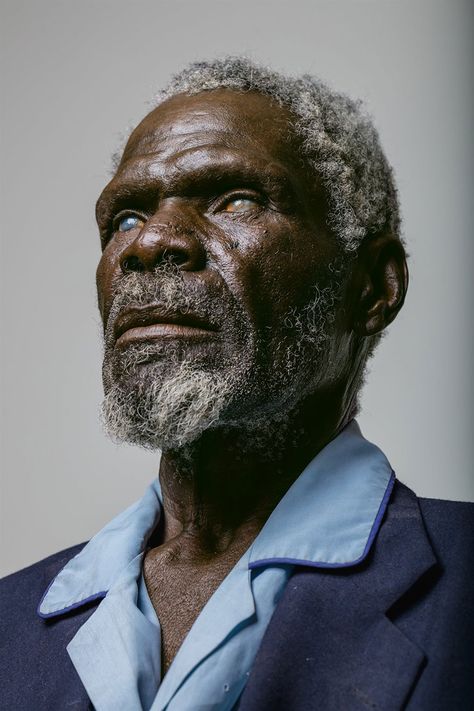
[[216, 283]]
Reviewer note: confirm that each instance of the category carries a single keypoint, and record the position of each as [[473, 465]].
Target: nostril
[[132, 264]]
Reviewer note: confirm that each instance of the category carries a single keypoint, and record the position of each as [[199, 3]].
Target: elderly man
[[251, 258]]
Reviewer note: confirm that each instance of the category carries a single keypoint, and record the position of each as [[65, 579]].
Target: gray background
[[75, 75]]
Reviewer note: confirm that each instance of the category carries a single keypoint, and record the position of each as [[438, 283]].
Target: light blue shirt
[[328, 518]]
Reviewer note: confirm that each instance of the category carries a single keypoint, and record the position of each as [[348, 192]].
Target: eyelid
[[116, 219], [238, 194]]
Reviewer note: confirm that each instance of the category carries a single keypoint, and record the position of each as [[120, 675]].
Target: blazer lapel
[[330, 643]]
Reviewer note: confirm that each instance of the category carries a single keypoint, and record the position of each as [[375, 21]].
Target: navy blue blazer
[[394, 632]]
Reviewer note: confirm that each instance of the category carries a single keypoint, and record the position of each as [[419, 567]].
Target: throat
[[220, 491], [180, 583]]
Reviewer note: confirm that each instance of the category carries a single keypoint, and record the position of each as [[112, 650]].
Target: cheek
[[279, 271], [107, 272]]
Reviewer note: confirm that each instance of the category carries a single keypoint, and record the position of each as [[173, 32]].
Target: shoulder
[[450, 528], [51, 563], [449, 524], [437, 533], [440, 515], [447, 527], [35, 670], [20, 594], [447, 513], [25, 587]]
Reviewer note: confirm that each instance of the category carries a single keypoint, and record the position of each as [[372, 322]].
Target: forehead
[[246, 122]]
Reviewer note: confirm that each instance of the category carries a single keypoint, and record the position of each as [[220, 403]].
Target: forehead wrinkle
[[194, 164], [158, 141], [214, 160], [215, 121], [194, 123]]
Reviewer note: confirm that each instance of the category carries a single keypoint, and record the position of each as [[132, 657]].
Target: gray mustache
[[167, 290]]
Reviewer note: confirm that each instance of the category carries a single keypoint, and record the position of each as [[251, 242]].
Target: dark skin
[[215, 182]]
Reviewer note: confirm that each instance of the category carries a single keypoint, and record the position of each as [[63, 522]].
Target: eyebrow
[[199, 173]]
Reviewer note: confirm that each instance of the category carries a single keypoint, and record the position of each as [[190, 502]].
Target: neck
[[223, 487]]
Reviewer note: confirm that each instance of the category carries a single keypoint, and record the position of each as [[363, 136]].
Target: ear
[[379, 284]]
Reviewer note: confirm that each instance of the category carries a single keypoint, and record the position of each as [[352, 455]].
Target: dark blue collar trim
[[56, 613], [316, 564]]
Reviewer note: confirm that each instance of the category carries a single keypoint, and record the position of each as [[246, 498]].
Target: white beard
[[166, 413], [158, 397]]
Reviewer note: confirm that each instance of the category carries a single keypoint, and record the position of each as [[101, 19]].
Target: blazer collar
[[342, 625]]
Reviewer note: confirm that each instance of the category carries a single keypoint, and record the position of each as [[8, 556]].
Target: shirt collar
[[331, 514], [328, 518], [92, 572]]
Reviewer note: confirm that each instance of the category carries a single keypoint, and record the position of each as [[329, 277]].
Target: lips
[[150, 322]]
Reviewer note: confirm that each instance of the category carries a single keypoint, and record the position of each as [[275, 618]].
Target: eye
[[124, 223], [240, 205]]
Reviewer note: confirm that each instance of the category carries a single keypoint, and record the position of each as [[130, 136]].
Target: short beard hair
[[159, 396], [165, 413]]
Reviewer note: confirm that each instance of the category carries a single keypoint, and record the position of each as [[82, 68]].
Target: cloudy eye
[[129, 222], [240, 205]]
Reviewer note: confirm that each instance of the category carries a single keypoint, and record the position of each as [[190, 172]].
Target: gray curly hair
[[338, 141]]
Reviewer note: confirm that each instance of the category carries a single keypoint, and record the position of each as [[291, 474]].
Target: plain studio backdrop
[[75, 75]]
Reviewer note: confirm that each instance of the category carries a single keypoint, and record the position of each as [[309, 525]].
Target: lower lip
[[162, 330]]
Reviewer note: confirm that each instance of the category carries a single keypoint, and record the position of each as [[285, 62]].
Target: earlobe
[[379, 285]]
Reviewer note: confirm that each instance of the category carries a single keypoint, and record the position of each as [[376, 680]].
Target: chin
[[158, 407]]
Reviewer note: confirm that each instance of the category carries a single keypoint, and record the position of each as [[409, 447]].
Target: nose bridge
[[168, 235]]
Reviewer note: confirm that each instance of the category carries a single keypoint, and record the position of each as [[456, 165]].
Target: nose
[[164, 241]]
